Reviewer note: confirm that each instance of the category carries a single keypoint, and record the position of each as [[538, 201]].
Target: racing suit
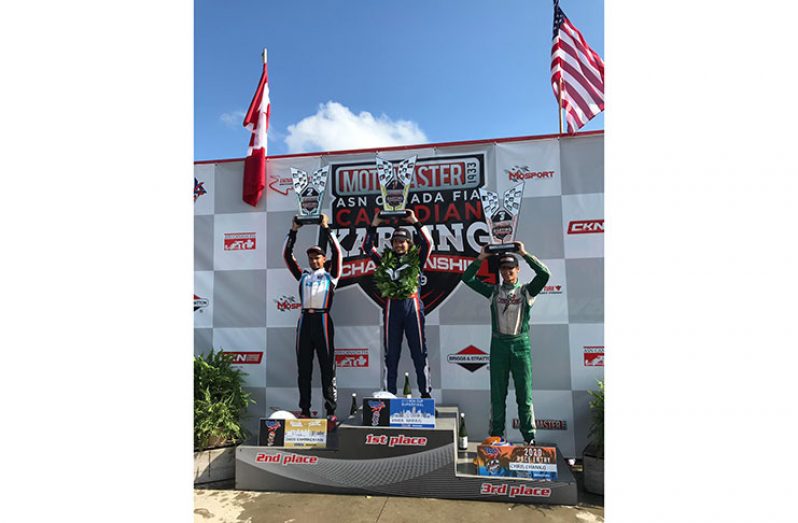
[[404, 316], [510, 351], [315, 331]]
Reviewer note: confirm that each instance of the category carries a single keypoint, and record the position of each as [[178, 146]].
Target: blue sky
[[424, 71]]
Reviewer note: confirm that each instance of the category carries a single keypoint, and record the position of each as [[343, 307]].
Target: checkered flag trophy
[[309, 191], [502, 217], [395, 186]]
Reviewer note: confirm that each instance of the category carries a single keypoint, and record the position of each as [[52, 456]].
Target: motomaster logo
[[281, 185], [200, 303], [470, 358], [430, 175], [594, 355], [552, 289], [522, 172], [586, 226], [287, 303], [245, 358], [545, 424], [352, 357], [239, 241]]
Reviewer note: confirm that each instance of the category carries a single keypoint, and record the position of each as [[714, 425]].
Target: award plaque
[[502, 217], [395, 186], [309, 191]]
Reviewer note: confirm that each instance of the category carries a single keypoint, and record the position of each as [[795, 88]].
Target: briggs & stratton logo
[[287, 303], [470, 358], [245, 358], [520, 173], [199, 189], [594, 355], [239, 241], [351, 357], [586, 226], [545, 424], [281, 185], [200, 303]]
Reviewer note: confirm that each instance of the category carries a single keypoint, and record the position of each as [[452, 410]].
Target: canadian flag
[[257, 121]]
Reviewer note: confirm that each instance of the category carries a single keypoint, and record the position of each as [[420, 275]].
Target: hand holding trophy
[[395, 186], [502, 218], [309, 191]]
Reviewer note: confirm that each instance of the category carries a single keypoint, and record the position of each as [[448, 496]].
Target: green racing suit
[[510, 350]]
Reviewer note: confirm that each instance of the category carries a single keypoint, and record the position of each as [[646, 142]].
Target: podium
[[375, 461]]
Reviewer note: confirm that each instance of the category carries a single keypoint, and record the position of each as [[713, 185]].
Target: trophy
[[502, 217], [395, 186], [309, 191]]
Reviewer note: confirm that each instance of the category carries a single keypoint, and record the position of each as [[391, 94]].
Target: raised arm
[[542, 273], [368, 246], [425, 242], [470, 276], [288, 251], [336, 262]]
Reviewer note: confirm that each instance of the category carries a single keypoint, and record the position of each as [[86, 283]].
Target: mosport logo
[[239, 241], [281, 185], [245, 358], [545, 424], [471, 358], [287, 303], [552, 289], [352, 357], [594, 355], [520, 173], [586, 226], [199, 189], [200, 303]]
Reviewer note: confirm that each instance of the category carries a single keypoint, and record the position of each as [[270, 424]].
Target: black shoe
[[305, 414], [426, 395], [530, 443]]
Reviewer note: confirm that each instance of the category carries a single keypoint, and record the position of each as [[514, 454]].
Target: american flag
[[581, 70]]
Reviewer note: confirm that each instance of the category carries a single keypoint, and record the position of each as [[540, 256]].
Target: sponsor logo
[[352, 357], [396, 441], [239, 241], [514, 490], [199, 189], [520, 173], [470, 358], [200, 303], [552, 289], [445, 198], [594, 355], [286, 459], [545, 424], [245, 358], [586, 226], [281, 185], [287, 303]]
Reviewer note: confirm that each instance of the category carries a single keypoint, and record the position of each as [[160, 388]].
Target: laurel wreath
[[407, 284]]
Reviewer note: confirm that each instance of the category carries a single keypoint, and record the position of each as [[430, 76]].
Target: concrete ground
[[223, 504]]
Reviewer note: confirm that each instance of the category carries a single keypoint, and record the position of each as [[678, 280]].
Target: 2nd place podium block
[[396, 461]]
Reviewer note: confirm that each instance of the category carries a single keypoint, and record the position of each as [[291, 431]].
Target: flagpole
[[559, 101], [264, 55]]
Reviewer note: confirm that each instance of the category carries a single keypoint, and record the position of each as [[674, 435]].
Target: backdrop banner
[[246, 302]]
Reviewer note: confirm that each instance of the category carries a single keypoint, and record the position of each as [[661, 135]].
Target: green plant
[[219, 401], [597, 413]]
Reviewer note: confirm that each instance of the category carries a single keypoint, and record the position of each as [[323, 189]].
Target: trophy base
[[497, 248], [304, 220], [393, 214]]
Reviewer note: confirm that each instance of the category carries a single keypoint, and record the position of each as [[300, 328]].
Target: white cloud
[[233, 119], [335, 127]]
